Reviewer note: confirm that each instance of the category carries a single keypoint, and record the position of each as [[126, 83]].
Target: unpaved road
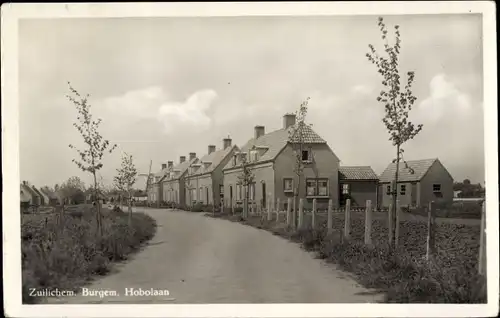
[[204, 260]]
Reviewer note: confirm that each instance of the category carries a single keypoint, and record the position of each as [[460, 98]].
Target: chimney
[[259, 131], [170, 164], [163, 166], [182, 159], [288, 120], [192, 155], [211, 148], [226, 142]]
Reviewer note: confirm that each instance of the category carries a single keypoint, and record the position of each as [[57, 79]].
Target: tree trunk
[[129, 209], [98, 207], [395, 196]]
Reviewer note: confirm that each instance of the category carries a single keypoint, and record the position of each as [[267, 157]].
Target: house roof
[[357, 173], [25, 195], [414, 172], [275, 141], [182, 168], [29, 190], [48, 193], [214, 159], [162, 174]]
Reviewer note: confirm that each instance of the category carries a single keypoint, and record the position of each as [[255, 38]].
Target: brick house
[[358, 183], [53, 199], [155, 190], [272, 159], [204, 181], [174, 184], [421, 182]]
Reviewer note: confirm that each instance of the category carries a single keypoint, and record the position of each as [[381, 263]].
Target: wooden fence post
[[430, 232], [269, 215], [301, 213], [232, 206], [330, 217], [313, 215], [289, 212], [294, 213], [398, 216], [482, 241], [390, 223], [347, 224], [368, 222]]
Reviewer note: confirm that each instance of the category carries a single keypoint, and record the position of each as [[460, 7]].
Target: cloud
[[154, 104], [191, 113], [445, 98], [362, 89]]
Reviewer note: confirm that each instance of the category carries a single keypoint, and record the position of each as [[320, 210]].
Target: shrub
[[65, 252]]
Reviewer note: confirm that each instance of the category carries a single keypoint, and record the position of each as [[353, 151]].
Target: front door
[[231, 196], [263, 195]]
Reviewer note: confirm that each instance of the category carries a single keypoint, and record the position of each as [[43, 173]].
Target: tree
[[127, 175], [397, 100], [95, 146], [245, 179], [73, 190], [296, 136]]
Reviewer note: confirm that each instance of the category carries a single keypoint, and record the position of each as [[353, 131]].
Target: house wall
[[263, 173], [173, 191], [326, 165], [360, 192], [437, 174], [218, 178], [404, 199]]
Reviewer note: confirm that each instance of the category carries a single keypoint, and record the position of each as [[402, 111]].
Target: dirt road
[[197, 259]]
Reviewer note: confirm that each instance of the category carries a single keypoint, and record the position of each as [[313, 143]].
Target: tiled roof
[[275, 141], [182, 167], [48, 193], [415, 171], [162, 173], [357, 173], [309, 136], [215, 158]]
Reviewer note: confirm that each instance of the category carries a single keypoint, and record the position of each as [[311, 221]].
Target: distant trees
[[469, 190], [72, 191]]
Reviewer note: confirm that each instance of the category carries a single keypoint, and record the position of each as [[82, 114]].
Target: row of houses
[[213, 178], [33, 196]]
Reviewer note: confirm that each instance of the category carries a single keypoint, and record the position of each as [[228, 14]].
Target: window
[[252, 191], [221, 189], [288, 184], [345, 188], [317, 187], [388, 192], [323, 187], [311, 186], [402, 189], [306, 155], [234, 160], [436, 188]]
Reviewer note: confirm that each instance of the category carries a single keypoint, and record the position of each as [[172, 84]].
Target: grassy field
[[65, 253], [403, 274]]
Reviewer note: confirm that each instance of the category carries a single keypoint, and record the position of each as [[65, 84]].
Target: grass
[[66, 253], [403, 274]]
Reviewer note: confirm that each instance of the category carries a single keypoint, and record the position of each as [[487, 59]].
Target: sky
[[165, 87]]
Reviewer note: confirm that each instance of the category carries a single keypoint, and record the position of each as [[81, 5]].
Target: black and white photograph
[[315, 159]]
